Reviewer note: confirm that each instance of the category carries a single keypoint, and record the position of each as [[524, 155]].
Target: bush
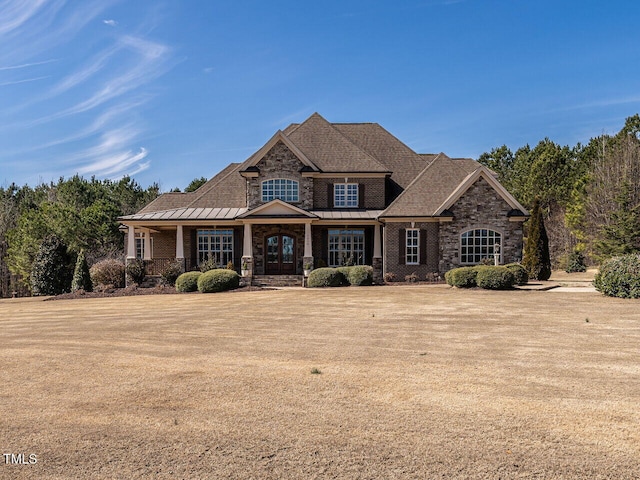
[[411, 278], [519, 272], [620, 277], [494, 278], [325, 277], [81, 276], [360, 275], [390, 277], [171, 273], [187, 282], [135, 270], [576, 262], [108, 272], [344, 271], [209, 264], [218, 280], [462, 277], [51, 271]]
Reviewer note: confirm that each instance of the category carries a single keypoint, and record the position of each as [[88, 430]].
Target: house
[[329, 194]]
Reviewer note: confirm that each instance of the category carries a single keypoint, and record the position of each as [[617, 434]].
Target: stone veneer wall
[[480, 207], [374, 191], [280, 162], [394, 246], [260, 232]]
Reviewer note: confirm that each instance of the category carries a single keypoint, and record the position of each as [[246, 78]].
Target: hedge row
[[216, 280], [619, 277], [487, 277], [357, 275]]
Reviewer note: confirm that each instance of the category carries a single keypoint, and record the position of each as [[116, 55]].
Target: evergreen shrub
[[51, 271], [108, 272], [325, 277], [576, 262], [519, 272], [494, 278], [187, 282], [462, 277], [81, 276], [620, 277], [218, 280], [360, 275]]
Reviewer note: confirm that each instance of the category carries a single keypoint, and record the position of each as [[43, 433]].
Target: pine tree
[[50, 274], [622, 235], [536, 259], [81, 278]]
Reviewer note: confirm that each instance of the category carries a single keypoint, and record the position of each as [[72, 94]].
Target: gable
[[277, 208]]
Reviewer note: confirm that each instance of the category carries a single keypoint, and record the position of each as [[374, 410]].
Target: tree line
[[589, 194]]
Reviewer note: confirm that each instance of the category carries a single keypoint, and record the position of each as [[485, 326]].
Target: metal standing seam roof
[[347, 214], [198, 213]]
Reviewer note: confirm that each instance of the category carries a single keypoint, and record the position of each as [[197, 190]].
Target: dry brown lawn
[[416, 382]]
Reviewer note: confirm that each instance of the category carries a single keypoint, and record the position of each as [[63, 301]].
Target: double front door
[[281, 257]]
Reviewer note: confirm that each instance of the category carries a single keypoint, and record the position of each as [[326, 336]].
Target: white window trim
[[340, 254], [407, 246], [275, 196], [200, 233], [346, 204], [139, 240], [489, 229]]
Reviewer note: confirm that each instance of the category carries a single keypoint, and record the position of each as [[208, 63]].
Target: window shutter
[[237, 247], [324, 245], [402, 246], [423, 246], [330, 195], [194, 249], [361, 203]]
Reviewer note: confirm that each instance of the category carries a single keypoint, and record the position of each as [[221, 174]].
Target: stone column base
[[246, 268], [377, 270]]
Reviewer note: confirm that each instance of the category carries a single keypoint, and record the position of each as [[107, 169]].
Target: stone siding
[[280, 162], [373, 189], [395, 241], [480, 207]]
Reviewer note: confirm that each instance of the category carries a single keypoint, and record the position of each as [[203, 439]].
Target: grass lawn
[[415, 382]]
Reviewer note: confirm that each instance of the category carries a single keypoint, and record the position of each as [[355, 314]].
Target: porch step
[[277, 280]]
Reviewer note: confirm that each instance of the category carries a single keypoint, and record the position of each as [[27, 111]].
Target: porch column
[[180, 246], [307, 260], [247, 253], [377, 254], [147, 245], [131, 242]]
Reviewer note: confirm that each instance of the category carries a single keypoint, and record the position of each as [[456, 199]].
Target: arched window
[[281, 188], [478, 244]]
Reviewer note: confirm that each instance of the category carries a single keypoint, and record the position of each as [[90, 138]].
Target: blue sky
[[170, 90]]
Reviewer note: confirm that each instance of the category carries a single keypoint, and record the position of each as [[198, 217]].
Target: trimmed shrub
[[462, 277], [360, 275], [619, 277], [218, 280], [51, 272], [519, 272], [171, 273], [135, 270], [187, 282], [494, 278], [325, 277], [81, 276], [576, 262], [108, 272], [345, 274]]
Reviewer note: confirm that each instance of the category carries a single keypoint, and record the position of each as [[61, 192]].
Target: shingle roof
[[430, 188], [330, 150], [227, 188], [168, 201]]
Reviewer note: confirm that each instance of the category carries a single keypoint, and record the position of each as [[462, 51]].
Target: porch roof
[[192, 213], [347, 214]]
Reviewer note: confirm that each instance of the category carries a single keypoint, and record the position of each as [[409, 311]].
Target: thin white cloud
[[114, 164], [26, 65], [15, 13], [111, 23], [26, 80]]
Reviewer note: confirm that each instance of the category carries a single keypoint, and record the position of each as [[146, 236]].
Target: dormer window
[[345, 195], [281, 188]]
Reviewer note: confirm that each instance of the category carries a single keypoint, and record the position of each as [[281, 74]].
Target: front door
[[281, 258]]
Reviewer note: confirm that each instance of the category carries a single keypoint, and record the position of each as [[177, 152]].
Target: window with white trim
[[346, 247], [217, 245], [140, 245], [281, 188], [478, 244], [413, 246], [345, 195]]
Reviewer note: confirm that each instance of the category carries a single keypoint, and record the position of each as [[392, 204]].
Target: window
[[281, 188], [216, 245], [346, 247], [345, 195], [478, 244], [413, 246], [140, 245]]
